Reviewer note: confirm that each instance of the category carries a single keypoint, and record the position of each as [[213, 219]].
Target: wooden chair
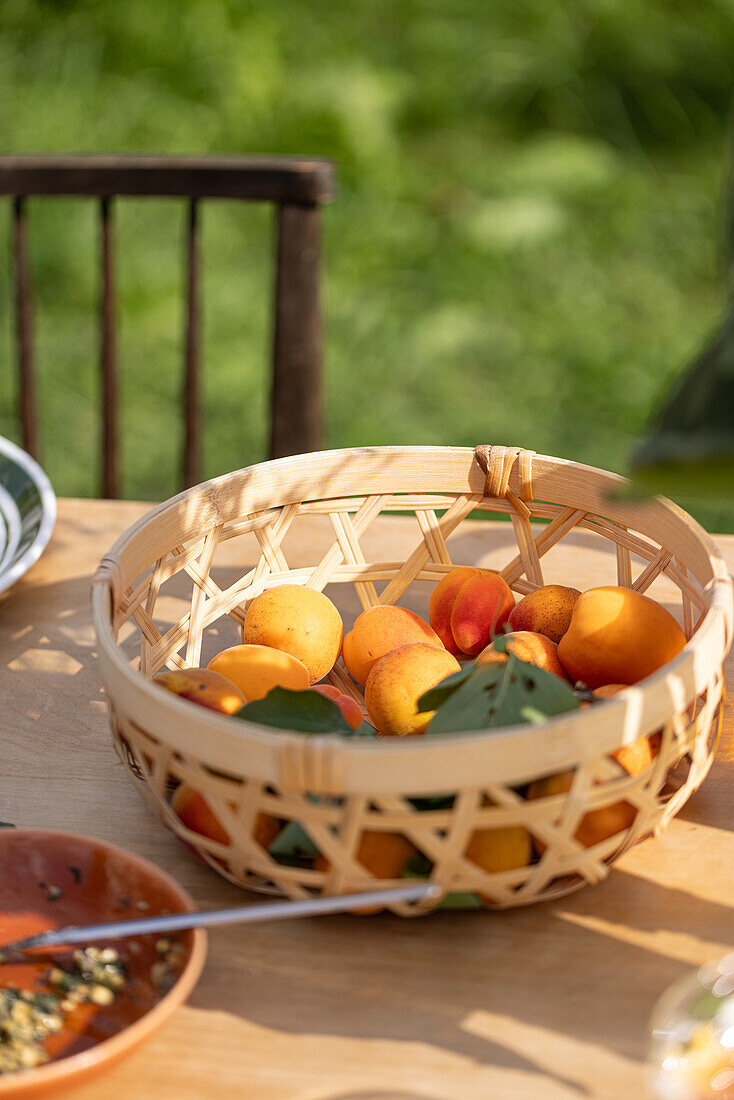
[[298, 187]]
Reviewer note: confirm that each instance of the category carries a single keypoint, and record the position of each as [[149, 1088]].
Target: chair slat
[[295, 424], [251, 178], [108, 356], [24, 330], [192, 415], [297, 185]]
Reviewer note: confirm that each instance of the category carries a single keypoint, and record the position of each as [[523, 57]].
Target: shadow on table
[[704, 809], [490, 987], [493, 988]]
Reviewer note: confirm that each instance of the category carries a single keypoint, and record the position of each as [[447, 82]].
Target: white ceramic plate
[[27, 512]]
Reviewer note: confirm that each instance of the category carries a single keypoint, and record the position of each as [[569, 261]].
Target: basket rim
[[708, 644]]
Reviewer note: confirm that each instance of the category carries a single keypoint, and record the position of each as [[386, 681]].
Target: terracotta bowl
[[97, 882]]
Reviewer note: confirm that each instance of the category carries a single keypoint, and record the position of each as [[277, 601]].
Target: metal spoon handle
[[177, 922]]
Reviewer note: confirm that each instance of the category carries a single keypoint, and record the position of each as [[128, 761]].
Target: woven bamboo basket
[[159, 598]]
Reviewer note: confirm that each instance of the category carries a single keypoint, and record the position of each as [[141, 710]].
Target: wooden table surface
[[548, 1002]]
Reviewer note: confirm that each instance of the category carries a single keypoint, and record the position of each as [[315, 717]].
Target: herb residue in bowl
[[94, 976]]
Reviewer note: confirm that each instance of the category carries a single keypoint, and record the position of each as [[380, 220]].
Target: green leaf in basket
[[292, 842], [438, 695], [364, 730], [505, 694], [462, 900], [435, 802], [305, 711], [418, 866]]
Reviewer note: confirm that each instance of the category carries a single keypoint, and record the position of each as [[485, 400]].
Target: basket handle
[[498, 463]]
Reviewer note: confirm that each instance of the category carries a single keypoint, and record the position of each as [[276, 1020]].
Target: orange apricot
[[479, 611], [203, 686], [348, 706], [635, 757], [618, 636], [606, 691], [441, 602], [193, 810], [547, 611], [378, 630], [257, 669], [605, 822], [398, 680], [384, 855], [300, 621], [636, 751], [536, 649]]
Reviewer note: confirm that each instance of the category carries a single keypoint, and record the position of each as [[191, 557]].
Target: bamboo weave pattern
[[310, 771]]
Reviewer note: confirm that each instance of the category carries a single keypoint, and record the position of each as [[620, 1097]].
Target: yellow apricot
[[500, 849], [378, 630], [398, 680], [256, 669], [299, 621], [618, 636]]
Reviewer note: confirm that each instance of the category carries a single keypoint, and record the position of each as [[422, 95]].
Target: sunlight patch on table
[[685, 844], [255, 1060], [587, 1064], [46, 660], [680, 946]]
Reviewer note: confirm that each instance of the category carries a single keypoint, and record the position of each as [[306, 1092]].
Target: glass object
[[691, 1052]]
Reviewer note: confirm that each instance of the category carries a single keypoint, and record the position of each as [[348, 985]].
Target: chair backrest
[[299, 187]]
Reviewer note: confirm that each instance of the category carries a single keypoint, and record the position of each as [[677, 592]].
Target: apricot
[[193, 810], [607, 821], [500, 849], [636, 750], [618, 636], [606, 691], [397, 682], [202, 686], [299, 621], [479, 611], [636, 757], [384, 855], [257, 669], [441, 602], [536, 649], [348, 706], [546, 611], [378, 630]]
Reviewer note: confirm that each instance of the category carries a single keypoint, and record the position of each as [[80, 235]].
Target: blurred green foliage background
[[526, 247]]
